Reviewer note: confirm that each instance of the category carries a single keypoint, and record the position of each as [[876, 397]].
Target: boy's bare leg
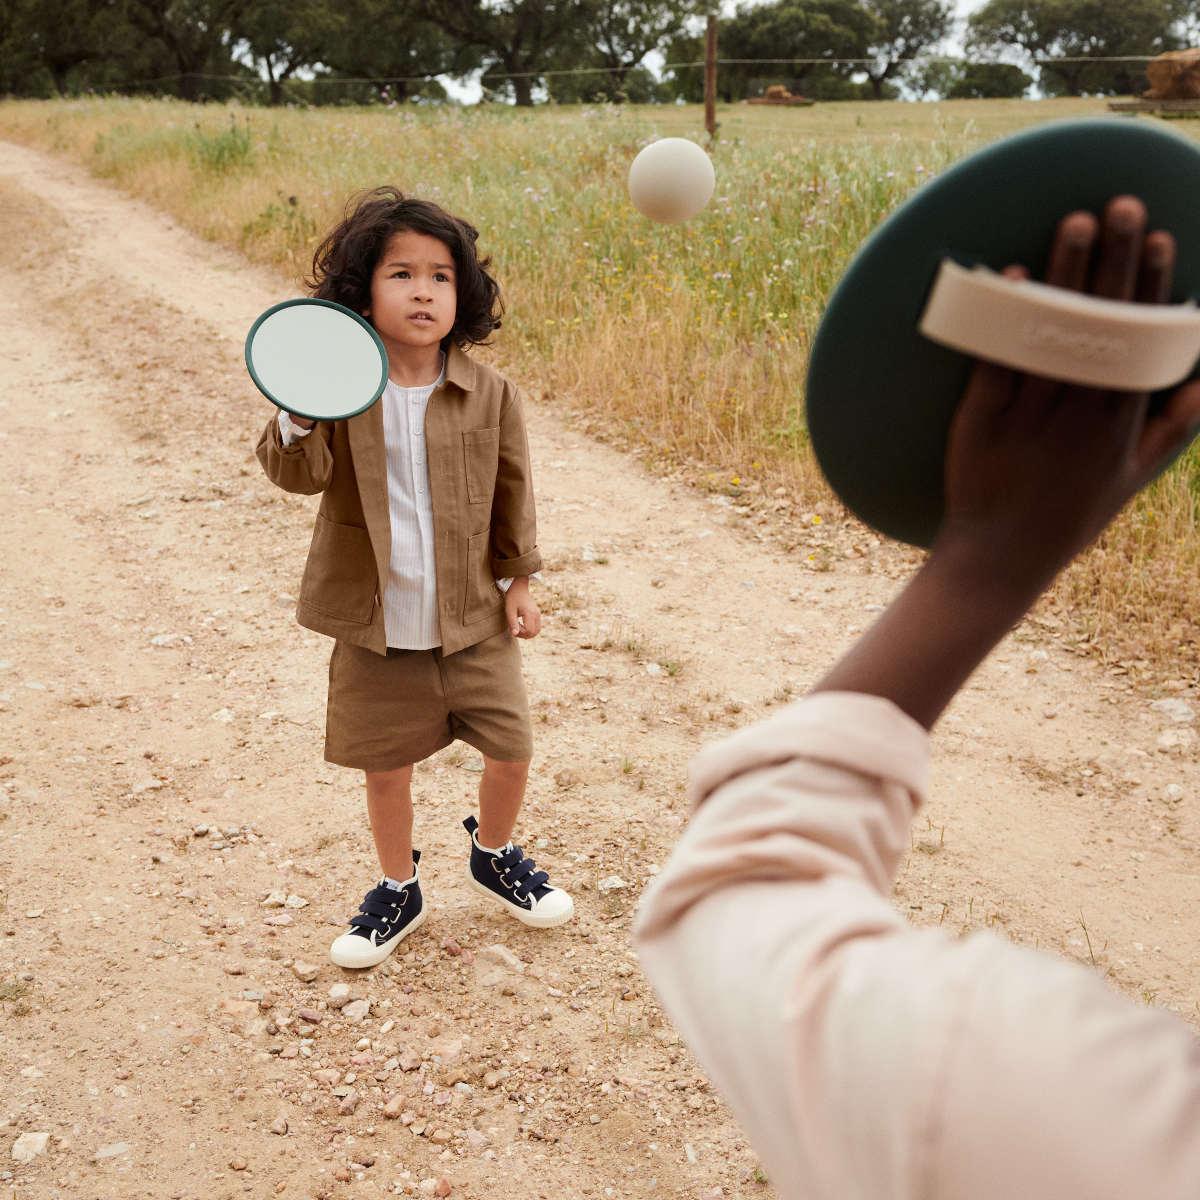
[[501, 791], [389, 806]]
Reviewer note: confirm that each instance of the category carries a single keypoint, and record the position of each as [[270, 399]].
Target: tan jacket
[[868, 1060], [483, 511]]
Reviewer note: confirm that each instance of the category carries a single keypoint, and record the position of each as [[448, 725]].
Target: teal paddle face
[[880, 396], [316, 359]]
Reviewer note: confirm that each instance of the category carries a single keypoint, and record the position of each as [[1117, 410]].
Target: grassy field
[[690, 342]]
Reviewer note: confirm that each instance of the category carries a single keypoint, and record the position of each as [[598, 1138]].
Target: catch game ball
[[671, 180]]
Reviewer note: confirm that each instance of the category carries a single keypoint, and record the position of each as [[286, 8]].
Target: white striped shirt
[[410, 597]]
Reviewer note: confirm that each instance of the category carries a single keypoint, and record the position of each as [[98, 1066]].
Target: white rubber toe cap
[[555, 908], [354, 951]]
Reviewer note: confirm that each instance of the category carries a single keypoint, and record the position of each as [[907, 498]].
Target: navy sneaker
[[385, 918], [513, 881]]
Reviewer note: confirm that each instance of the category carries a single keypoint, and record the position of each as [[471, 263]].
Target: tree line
[[362, 51]]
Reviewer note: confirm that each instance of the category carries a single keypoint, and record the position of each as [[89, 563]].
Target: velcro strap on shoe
[[367, 921], [519, 872], [380, 907], [382, 902], [511, 856], [535, 881]]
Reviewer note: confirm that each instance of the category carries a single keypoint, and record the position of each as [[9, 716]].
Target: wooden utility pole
[[710, 76]]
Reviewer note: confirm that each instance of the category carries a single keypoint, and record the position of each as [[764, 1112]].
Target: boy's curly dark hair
[[345, 261]]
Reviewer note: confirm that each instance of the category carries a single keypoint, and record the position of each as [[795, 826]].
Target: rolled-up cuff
[[513, 568], [505, 584]]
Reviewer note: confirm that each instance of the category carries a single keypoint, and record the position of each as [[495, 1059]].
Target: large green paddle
[[881, 393]]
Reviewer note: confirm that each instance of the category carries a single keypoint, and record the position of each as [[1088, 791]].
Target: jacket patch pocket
[[339, 576], [481, 596], [481, 455]]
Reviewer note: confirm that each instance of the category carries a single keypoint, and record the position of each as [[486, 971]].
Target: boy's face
[[413, 292]]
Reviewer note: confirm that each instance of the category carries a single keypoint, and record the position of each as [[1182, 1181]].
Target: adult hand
[[1036, 469]]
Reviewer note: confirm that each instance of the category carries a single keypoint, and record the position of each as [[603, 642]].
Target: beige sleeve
[[514, 516], [871, 1061]]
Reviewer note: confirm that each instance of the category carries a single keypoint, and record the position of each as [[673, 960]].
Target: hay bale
[[777, 93], [1174, 76]]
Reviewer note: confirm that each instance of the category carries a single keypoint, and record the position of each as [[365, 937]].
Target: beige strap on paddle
[[1117, 345]]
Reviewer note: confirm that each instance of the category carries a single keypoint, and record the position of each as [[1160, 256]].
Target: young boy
[[421, 556]]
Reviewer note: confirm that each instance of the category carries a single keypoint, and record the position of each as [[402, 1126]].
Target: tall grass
[[689, 341]]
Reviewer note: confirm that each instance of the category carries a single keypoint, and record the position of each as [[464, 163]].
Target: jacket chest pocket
[[481, 458]]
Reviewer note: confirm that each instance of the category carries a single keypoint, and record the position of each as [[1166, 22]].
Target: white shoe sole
[[379, 952], [524, 916]]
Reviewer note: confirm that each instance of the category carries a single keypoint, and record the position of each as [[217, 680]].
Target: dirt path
[[153, 685]]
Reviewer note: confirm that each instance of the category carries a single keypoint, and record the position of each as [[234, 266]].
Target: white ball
[[671, 180]]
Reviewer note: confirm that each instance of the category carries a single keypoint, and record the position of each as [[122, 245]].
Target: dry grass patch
[[689, 343]]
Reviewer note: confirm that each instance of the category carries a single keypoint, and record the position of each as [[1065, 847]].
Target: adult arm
[[1034, 472], [867, 1059]]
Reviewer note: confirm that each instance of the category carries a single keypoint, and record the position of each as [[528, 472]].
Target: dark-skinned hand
[[1034, 472], [1036, 469]]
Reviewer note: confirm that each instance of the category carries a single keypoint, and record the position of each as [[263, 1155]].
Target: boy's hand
[[302, 422], [1036, 469], [524, 616]]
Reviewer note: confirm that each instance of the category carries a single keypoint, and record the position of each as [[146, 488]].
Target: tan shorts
[[387, 712]]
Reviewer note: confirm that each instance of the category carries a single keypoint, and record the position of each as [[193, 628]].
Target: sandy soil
[[154, 685]]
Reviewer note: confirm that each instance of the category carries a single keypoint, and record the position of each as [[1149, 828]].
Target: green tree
[[904, 31], [685, 82], [284, 36], [621, 33], [59, 47], [389, 42], [990, 81], [807, 31], [1062, 30], [962, 80], [518, 40], [637, 86], [1187, 26], [22, 70], [196, 35]]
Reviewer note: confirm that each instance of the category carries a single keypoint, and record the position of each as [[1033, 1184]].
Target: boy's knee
[[396, 777], [511, 770]]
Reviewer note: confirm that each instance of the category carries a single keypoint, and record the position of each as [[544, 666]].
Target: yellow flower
[[816, 520]]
